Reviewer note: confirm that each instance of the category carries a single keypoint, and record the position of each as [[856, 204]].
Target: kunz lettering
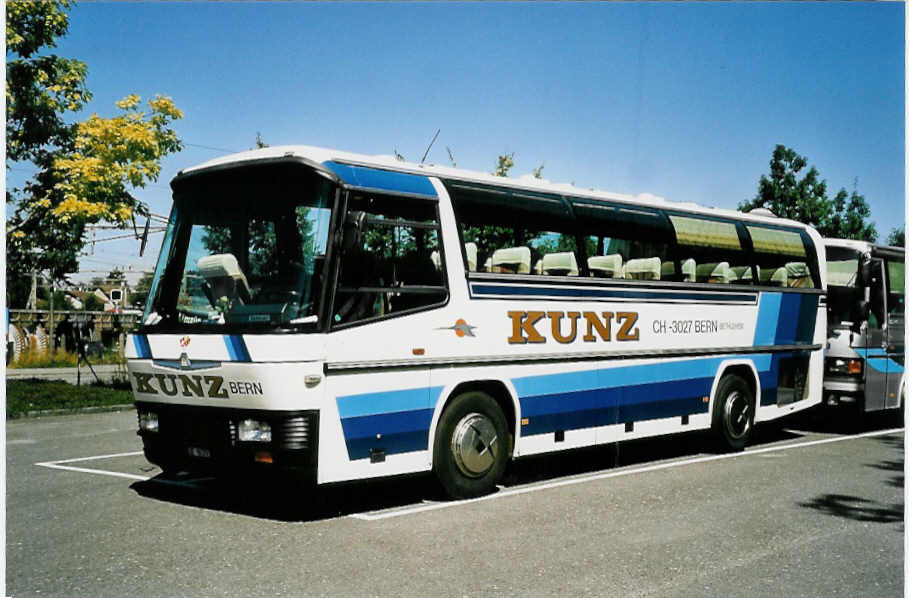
[[596, 327], [170, 384]]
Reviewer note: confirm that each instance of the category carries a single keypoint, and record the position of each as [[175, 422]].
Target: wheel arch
[[743, 368], [500, 390]]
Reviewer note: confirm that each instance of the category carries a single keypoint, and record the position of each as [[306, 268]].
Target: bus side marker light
[[264, 457], [705, 399], [312, 380], [418, 351], [525, 421]]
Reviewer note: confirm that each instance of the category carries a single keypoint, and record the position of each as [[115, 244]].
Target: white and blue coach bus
[[866, 310], [347, 316]]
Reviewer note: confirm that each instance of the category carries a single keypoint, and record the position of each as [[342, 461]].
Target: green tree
[[116, 276], [140, 295], [504, 163], [897, 237], [848, 217], [92, 303], [793, 192], [60, 302], [83, 171]]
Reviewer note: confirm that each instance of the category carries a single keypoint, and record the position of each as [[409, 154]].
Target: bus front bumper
[[842, 390], [207, 439]]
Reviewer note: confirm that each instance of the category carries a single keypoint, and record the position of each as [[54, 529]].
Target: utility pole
[[51, 325], [33, 293]]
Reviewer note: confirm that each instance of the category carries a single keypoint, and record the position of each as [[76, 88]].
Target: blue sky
[[685, 101]]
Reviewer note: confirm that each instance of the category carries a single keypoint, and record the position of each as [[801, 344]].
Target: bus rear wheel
[[472, 446], [733, 413]]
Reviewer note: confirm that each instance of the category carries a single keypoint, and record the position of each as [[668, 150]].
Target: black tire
[[733, 413], [472, 446]]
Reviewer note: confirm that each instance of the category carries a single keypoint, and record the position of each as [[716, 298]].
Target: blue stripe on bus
[[236, 347], [143, 350], [396, 420], [767, 319], [400, 432], [607, 406], [373, 403], [785, 319], [384, 180], [804, 332], [560, 291], [878, 361], [620, 376]]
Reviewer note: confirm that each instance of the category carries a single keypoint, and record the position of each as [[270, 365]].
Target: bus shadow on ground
[[281, 500], [843, 420], [852, 507]]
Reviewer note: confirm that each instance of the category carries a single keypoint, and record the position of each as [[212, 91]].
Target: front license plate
[[199, 452]]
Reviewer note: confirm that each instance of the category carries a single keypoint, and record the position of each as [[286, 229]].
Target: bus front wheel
[[733, 413], [472, 446]]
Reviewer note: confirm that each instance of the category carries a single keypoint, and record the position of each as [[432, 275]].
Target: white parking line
[[433, 506], [116, 474], [612, 474]]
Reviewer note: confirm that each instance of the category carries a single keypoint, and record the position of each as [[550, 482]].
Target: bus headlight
[[253, 430], [148, 421], [849, 367]]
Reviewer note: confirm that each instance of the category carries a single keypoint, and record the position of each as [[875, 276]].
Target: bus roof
[[864, 246], [527, 182]]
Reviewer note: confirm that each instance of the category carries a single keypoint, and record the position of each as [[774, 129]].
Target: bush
[[62, 359], [23, 396]]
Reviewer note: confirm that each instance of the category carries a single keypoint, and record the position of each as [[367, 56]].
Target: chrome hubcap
[[474, 445], [736, 414]]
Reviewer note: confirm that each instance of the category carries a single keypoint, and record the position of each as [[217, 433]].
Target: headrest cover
[[560, 263], [218, 265]]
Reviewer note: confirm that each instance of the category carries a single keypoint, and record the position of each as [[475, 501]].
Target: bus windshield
[[243, 250], [843, 292]]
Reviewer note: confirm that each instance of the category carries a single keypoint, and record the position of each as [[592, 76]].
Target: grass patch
[[61, 359], [23, 396]]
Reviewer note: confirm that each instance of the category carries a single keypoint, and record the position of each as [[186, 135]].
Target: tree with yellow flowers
[[84, 172]]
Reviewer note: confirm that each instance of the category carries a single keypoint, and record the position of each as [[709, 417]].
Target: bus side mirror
[[354, 230], [865, 271]]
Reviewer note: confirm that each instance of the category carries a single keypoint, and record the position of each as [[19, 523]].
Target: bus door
[[876, 340], [893, 335]]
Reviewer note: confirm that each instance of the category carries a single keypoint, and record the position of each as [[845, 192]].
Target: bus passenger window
[[399, 264], [782, 257], [628, 242], [511, 231], [896, 287], [712, 245]]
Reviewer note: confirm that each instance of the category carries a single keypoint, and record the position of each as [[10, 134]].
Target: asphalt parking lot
[[810, 509]]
